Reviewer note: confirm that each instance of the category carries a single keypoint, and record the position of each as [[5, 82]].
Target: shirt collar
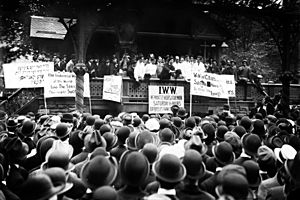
[[166, 192]]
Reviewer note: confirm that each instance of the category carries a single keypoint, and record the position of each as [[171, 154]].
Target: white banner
[[228, 84], [161, 98], [26, 75], [63, 84], [112, 88], [209, 85]]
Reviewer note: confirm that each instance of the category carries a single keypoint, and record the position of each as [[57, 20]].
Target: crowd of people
[[140, 67], [150, 156]]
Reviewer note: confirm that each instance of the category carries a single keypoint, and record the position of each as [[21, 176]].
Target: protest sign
[[63, 84], [112, 88], [208, 84], [161, 98], [26, 75], [60, 84]]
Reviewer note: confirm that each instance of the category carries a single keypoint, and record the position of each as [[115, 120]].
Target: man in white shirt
[[139, 70]]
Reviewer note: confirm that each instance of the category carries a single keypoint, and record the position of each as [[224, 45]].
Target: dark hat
[[169, 169], [105, 193], [251, 142], [292, 167], [143, 138], [136, 121], [43, 145], [177, 121], [209, 130], [62, 130], [164, 123], [190, 122], [131, 141], [28, 128], [226, 107], [240, 130], [166, 135], [58, 177], [67, 118], [122, 134], [105, 128], [78, 189], [235, 185], [246, 123], [30, 115], [174, 108], [192, 161], [221, 123], [11, 123], [98, 123], [39, 187], [3, 115], [111, 140], [134, 168], [151, 152], [223, 153], [233, 139], [221, 130], [15, 148], [253, 175], [259, 127], [57, 158], [98, 151], [182, 113], [127, 117], [99, 171], [266, 159], [90, 120], [145, 117], [196, 143]]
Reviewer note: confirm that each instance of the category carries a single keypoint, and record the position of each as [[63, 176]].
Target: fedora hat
[[169, 169], [94, 140], [11, 123], [143, 138], [192, 160], [98, 123], [99, 171], [196, 143], [62, 130], [59, 177], [131, 141], [57, 158], [223, 153], [246, 123], [251, 142], [166, 135], [286, 152], [134, 168], [111, 140], [16, 149], [39, 187], [43, 145], [122, 134], [240, 130], [90, 120], [221, 130]]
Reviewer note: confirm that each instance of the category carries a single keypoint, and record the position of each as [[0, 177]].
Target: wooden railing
[[138, 94]]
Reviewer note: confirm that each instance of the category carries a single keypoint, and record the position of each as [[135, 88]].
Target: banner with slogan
[[161, 98], [112, 88], [63, 84], [228, 84], [209, 85], [26, 75]]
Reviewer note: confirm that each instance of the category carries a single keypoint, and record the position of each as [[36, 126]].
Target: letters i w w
[[167, 89]]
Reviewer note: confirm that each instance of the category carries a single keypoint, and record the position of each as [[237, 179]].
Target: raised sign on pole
[[161, 98]]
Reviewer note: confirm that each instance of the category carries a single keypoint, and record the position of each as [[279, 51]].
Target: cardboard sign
[[209, 85], [63, 84], [162, 98], [27, 74], [112, 88]]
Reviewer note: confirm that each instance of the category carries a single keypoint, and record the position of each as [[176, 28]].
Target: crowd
[[140, 67], [151, 157]]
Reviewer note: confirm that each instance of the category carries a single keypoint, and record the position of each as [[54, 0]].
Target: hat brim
[[66, 188], [53, 191], [69, 168], [277, 152], [199, 174], [110, 178], [181, 175]]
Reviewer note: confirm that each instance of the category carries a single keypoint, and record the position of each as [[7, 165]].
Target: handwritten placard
[[112, 88], [27, 74], [162, 98]]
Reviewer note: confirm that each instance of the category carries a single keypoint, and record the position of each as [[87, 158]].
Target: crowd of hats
[[84, 156]]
